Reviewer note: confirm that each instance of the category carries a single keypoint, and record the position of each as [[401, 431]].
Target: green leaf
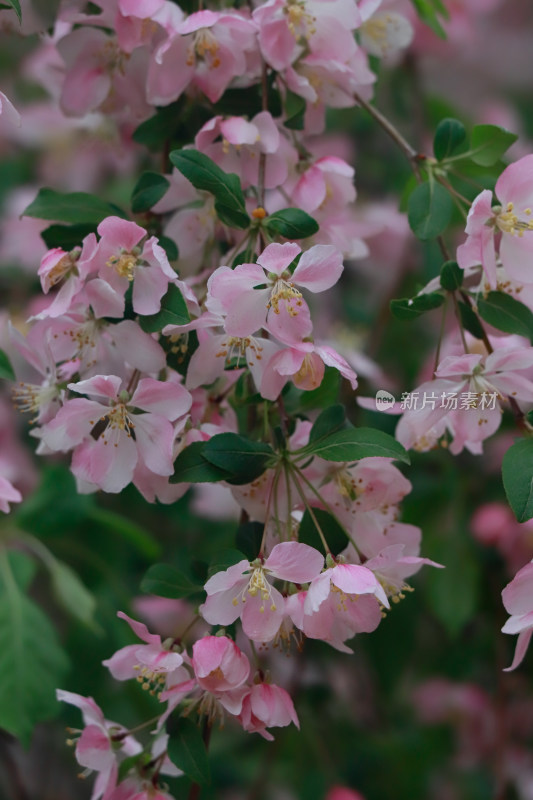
[[54, 507], [74, 207], [451, 276], [6, 370], [355, 443], [450, 134], [224, 559], [23, 568], [191, 467], [170, 247], [164, 580], [453, 592], [66, 236], [130, 531], [407, 308], [332, 419], [32, 664], [156, 132], [72, 593], [173, 312], [506, 314], [294, 111], [15, 5], [242, 459], [334, 533], [292, 223], [248, 538], [469, 320], [186, 749], [207, 176], [427, 10], [429, 210], [489, 143], [517, 474], [148, 190]]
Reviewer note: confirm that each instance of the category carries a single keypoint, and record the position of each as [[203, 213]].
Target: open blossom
[[248, 308], [95, 748], [244, 589], [109, 436], [70, 271], [508, 223], [518, 601]]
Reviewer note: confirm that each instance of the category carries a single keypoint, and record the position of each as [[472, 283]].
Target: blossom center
[[284, 289], [124, 264], [509, 222]]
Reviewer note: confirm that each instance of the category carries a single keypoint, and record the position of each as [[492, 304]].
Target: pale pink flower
[[244, 590], [509, 222], [71, 270], [518, 601], [267, 706], [109, 439], [8, 494], [221, 670], [96, 750], [149, 663], [346, 582], [8, 111], [209, 49]]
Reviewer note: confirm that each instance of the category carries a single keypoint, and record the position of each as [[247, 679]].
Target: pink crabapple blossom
[[518, 601]]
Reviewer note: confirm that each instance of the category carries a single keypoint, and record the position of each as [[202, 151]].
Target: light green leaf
[[489, 143]]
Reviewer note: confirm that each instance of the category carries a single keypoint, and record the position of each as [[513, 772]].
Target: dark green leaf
[[186, 749], [451, 276], [207, 176], [191, 467], [490, 142], [32, 664], [74, 207], [517, 473], [15, 5], [248, 538], [173, 312], [470, 321], [292, 223], [453, 592], [156, 132], [224, 559], [148, 190], [131, 532], [164, 580], [66, 236], [429, 210], [170, 247], [355, 443], [6, 370], [334, 533], [242, 459], [54, 507], [506, 314], [407, 308], [332, 419], [294, 111], [450, 134]]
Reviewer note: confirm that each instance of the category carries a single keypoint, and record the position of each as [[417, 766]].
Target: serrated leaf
[[489, 143], [148, 190], [207, 176], [191, 467], [187, 751], [66, 236], [291, 223], [450, 134], [451, 276], [32, 664], [164, 580], [507, 314], [242, 459], [517, 474], [6, 370], [72, 594], [429, 210], [355, 443], [74, 207], [173, 312], [407, 308]]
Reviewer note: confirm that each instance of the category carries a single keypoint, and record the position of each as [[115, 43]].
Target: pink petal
[[262, 625], [294, 561], [319, 268], [277, 257], [170, 400], [522, 644]]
